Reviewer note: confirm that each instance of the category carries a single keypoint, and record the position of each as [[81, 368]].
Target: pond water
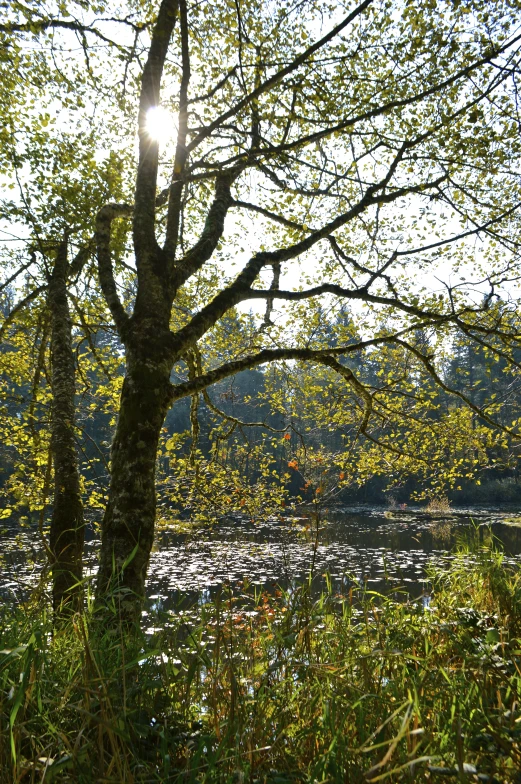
[[387, 550]]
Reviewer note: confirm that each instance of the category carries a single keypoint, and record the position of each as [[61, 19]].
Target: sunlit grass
[[285, 688]]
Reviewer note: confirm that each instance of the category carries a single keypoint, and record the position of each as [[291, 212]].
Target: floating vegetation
[[354, 546], [515, 521]]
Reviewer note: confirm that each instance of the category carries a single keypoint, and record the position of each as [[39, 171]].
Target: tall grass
[[287, 688]]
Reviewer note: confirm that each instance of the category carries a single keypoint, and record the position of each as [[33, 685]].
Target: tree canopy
[[192, 160]]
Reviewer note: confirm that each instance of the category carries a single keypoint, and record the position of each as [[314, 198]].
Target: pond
[[385, 550]]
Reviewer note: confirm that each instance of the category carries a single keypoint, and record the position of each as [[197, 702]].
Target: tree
[[39, 365], [327, 142], [48, 212]]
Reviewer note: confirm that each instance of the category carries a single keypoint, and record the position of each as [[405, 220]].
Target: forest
[[259, 266]]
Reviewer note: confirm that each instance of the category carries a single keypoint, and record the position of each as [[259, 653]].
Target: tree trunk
[[128, 525], [67, 524]]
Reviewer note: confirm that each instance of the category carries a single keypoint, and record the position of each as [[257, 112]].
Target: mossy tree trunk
[[67, 523], [128, 524]]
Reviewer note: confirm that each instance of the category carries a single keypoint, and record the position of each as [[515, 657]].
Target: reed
[[438, 505], [278, 688]]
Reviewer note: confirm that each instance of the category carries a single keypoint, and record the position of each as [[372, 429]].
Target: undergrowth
[[287, 688]]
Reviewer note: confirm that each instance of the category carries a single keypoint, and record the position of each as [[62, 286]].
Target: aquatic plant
[[438, 505]]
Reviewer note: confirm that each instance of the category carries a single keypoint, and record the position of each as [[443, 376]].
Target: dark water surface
[[384, 549]]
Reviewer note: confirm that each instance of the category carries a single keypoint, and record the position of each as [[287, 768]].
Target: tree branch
[[211, 234], [276, 78], [181, 155], [19, 271], [211, 405], [18, 307], [79, 261], [468, 402], [146, 181], [267, 214], [275, 282], [88, 334], [241, 290], [469, 233], [324, 356], [382, 109], [40, 26], [104, 220]]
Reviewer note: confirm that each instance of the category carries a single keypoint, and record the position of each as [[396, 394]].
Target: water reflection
[[372, 548], [378, 549]]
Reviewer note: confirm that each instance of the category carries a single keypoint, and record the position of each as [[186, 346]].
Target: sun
[[159, 124]]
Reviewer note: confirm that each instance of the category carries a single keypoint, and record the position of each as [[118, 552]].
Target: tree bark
[[67, 523], [128, 525]]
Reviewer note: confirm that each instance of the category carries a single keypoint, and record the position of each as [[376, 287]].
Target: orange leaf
[[287, 437]]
